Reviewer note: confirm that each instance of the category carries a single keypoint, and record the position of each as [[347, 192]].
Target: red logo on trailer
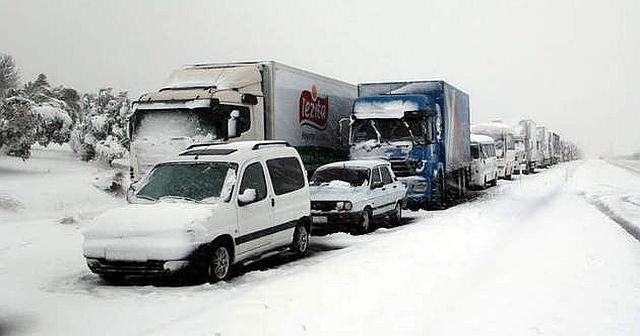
[[314, 110]]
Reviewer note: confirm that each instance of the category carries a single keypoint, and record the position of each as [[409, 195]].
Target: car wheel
[[301, 237], [397, 214], [364, 225], [219, 263]]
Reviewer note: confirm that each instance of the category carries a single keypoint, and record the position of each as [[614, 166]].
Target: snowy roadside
[[530, 257], [614, 188]]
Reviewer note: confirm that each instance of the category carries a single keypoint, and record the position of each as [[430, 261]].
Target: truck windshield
[[158, 135], [383, 130], [354, 177], [190, 181]]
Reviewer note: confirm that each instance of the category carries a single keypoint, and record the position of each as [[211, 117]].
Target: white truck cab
[[214, 206], [354, 195], [484, 166]]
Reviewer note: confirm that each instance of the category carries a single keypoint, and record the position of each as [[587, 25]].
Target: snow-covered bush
[[54, 125], [18, 126], [109, 149], [102, 132]]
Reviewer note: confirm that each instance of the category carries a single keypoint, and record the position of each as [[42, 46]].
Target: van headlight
[[344, 205]]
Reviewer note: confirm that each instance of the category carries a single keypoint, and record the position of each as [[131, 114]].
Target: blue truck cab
[[422, 128]]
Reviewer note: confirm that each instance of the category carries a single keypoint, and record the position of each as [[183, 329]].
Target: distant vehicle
[[210, 208], [354, 195], [240, 101], [422, 128], [544, 146], [521, 159], [531, 156], [502, 134], [556, 147], [484, 165]]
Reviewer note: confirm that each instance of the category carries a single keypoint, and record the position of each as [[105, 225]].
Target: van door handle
[[273, 202]]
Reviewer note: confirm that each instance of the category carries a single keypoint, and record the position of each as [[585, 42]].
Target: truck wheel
[[300, 244], [364, 225], [219, 263], [397, 214]]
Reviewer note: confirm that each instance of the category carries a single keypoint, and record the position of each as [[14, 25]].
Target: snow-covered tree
[[18, 126], [9, 76], [101, 133]]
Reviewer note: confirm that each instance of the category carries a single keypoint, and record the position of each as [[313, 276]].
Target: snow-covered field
[[537, 255]]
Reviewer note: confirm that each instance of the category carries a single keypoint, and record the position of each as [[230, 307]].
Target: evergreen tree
[[9, 76]]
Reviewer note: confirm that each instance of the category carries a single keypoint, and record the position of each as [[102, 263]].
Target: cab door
[[255, 214]]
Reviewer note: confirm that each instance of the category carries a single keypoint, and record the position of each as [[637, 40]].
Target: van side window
[[386, 176], [286, 175], [253, 178]]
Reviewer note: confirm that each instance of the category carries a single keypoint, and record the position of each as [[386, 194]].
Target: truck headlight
[[419, 187]]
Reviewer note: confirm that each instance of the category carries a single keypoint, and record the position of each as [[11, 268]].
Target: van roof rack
[[205, 144], [270, 143]]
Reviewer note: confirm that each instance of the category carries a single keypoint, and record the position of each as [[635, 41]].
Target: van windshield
[[355, 177], [206, 181]]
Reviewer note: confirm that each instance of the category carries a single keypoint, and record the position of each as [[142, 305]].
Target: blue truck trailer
[[422, 128]]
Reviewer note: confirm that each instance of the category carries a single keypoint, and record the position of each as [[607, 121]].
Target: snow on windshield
[[341, 177], [189, 181], [383, 109], [162, 135]]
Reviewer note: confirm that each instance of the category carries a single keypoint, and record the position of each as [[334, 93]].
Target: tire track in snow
[[628, 226]]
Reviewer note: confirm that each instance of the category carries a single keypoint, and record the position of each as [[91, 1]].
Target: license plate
[[320, 220], [118, 254]]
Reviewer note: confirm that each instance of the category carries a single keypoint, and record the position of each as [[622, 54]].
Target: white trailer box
[[262, 100]]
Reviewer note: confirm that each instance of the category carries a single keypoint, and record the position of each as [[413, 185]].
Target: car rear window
[[286, 175]]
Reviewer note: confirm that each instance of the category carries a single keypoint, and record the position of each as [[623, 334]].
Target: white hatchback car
[[212, 207], [351, 195]]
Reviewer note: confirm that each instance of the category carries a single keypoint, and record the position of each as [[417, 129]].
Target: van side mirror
[[248, 196], [132, 190], [376, 185]]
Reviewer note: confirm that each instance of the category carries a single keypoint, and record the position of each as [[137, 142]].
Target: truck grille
[[403, 167], [323, 205]]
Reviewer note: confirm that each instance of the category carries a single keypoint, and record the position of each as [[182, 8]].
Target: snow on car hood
[[336, 193], [148, 219]]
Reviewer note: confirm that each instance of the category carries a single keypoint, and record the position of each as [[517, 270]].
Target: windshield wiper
[[178, 198], [148, 198]]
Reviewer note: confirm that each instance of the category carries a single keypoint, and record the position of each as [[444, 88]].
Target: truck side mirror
[[343, 130], [232, 124]]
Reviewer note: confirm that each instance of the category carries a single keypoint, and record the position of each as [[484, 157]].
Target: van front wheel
[[301, 237], [219, 263]]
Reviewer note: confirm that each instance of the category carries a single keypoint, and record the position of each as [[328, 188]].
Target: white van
[[484, 166], [212, 207]]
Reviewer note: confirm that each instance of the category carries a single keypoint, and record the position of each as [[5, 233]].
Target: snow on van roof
[[356, 164], [481, 138]]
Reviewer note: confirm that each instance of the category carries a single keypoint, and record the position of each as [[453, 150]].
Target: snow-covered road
[[533, 256]]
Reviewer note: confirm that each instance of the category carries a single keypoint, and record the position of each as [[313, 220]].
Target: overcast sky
[[571, 65]]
